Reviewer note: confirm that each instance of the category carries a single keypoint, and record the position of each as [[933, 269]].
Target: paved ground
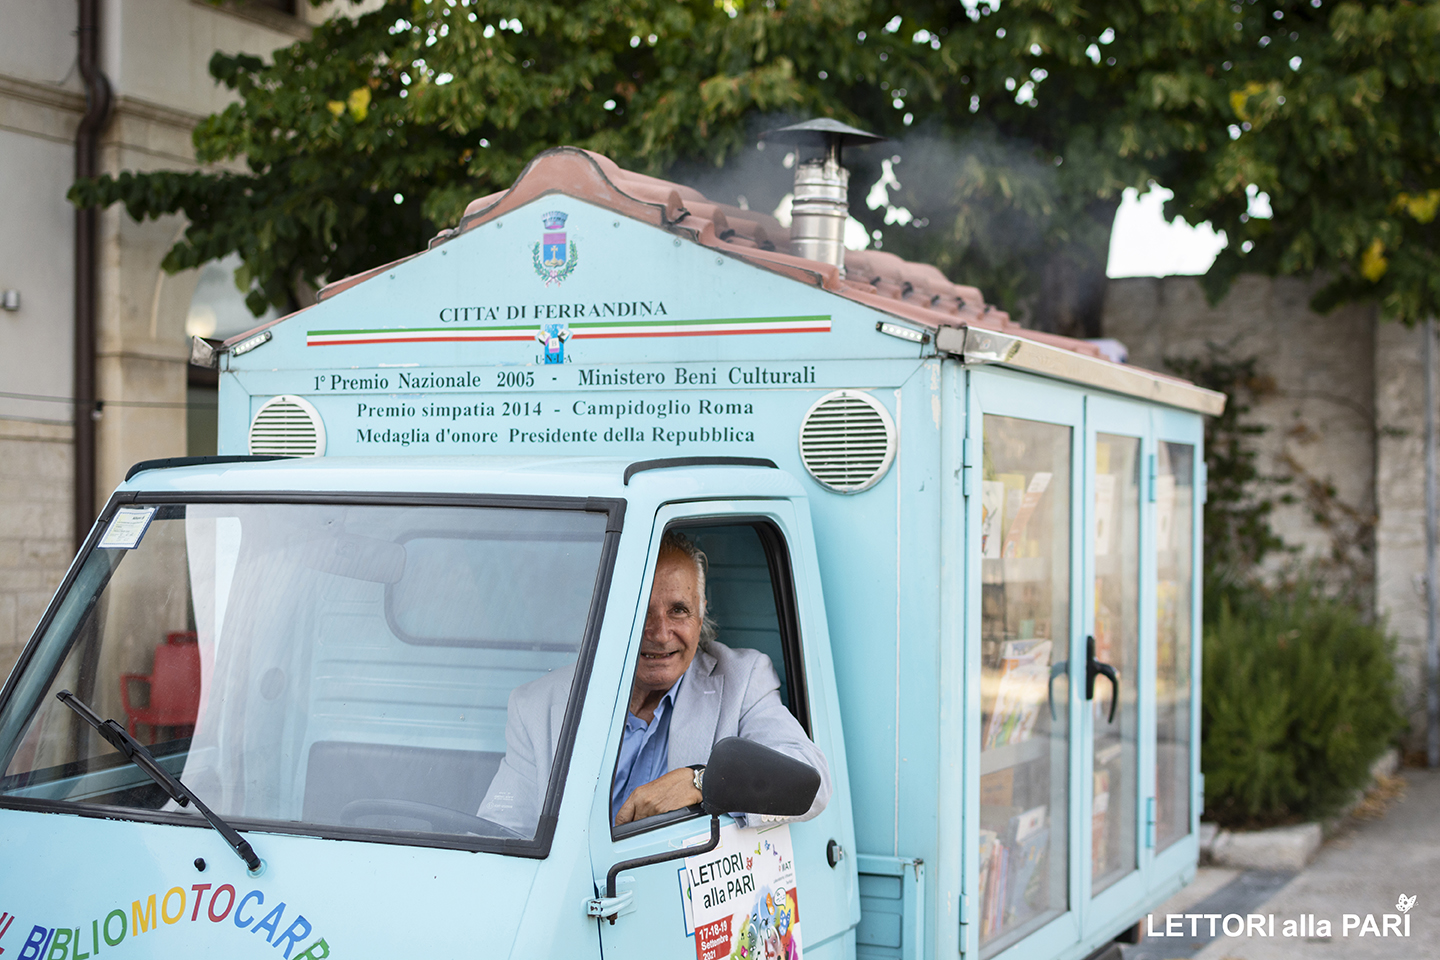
[[1213, 891], [1363, 870]]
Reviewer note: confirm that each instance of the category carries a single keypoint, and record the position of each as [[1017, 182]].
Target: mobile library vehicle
[[970, 551]]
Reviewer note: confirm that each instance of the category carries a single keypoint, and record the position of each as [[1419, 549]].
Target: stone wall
[[1400, 488], [1341, 397], [35, 541], [1317, 393]]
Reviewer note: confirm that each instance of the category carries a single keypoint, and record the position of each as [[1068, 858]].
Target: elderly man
[[689, 691]]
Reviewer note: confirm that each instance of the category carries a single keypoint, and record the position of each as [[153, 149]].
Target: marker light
[[245, 346], [904, 333]]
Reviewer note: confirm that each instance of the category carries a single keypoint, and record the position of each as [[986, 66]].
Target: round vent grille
[[847, 441], [287, 426]]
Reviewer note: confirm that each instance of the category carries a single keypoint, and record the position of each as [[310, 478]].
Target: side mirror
[[747, 777]]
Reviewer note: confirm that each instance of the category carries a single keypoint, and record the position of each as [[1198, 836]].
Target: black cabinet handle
[[1094, 668]]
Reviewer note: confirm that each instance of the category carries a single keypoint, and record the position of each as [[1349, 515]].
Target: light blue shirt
[[644, 750]]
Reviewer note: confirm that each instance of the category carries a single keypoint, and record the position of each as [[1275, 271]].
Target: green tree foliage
[[1053, 108], [1332, 111], [1299, 700], [1017, 125]]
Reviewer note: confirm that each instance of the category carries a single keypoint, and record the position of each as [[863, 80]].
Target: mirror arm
[[711, 844]]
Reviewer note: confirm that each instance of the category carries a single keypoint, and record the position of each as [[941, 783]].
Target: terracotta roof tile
[[916, 292]]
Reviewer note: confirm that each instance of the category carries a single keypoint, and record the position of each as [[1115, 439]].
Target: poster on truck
[[740, 899]]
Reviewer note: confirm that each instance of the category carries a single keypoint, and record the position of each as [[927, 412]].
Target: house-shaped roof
[[953, 316], [917, 292]]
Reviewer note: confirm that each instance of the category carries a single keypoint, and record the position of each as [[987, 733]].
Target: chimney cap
[[822, 132]]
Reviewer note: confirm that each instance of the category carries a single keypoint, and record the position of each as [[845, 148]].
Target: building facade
[[155, 55]]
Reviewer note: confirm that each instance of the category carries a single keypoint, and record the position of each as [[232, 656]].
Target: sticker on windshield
[[740, 900], [127, 528]]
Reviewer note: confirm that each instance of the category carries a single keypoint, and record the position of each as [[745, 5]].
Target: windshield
[[326, 665]]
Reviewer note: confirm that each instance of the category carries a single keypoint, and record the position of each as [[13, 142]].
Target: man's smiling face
[[672, 626]]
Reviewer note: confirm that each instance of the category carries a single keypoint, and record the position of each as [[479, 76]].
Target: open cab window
[[750, 596], [339, 669]]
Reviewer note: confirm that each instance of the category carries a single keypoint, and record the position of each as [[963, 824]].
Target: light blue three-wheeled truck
[[264, 708]]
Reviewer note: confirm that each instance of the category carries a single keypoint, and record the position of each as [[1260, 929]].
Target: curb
[[1281, 848]]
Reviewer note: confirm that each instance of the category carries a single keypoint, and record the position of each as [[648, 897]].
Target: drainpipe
[[1432, 636], [87, 142]]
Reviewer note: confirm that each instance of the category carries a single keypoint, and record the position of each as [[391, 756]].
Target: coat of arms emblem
[[555, 256]]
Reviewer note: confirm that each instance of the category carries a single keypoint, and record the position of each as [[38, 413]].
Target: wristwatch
[[699, 769]]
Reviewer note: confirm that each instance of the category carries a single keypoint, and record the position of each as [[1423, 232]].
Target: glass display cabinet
[[1082, 634]]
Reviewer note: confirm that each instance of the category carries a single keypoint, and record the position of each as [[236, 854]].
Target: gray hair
[[675, 542]]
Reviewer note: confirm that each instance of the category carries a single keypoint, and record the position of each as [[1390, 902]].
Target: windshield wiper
[[142, 758]]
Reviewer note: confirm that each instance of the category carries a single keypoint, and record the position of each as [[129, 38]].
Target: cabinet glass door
[[1114, 643], [1116, 664], [1025, 639], [1174, 640]]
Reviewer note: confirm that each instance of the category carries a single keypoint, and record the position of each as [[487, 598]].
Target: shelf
[[1015, 570], [1013, 754]]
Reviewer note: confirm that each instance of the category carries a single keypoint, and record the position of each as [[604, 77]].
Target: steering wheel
[[441, 819]]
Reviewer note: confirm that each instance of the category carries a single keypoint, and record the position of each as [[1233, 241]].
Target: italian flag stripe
[[590, 330]]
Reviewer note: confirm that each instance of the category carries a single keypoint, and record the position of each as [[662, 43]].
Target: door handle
[[1056, 670], [1094, 668]]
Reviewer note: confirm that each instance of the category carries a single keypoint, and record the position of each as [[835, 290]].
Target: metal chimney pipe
[[820, 209], [821, 200]]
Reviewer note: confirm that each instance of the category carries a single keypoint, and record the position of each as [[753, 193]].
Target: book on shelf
[[1100, 821], [1104, 513], [993, 857], [1022, 513], [1027, 876], [992, 516], [1020, 694], [1012, 871]]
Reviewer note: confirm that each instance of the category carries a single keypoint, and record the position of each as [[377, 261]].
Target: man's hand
[[672, 791]]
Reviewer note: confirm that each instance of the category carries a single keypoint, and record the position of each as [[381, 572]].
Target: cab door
[[763, 591]]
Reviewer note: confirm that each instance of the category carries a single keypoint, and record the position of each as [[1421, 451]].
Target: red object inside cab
[[174, 684]]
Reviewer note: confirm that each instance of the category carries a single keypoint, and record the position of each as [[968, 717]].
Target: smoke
[[976, 196], [754, 178], [1000, 214]]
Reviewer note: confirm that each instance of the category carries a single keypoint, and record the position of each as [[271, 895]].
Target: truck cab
[[354, 648]]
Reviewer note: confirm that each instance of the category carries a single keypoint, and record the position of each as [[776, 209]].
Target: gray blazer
[[727, 693]]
